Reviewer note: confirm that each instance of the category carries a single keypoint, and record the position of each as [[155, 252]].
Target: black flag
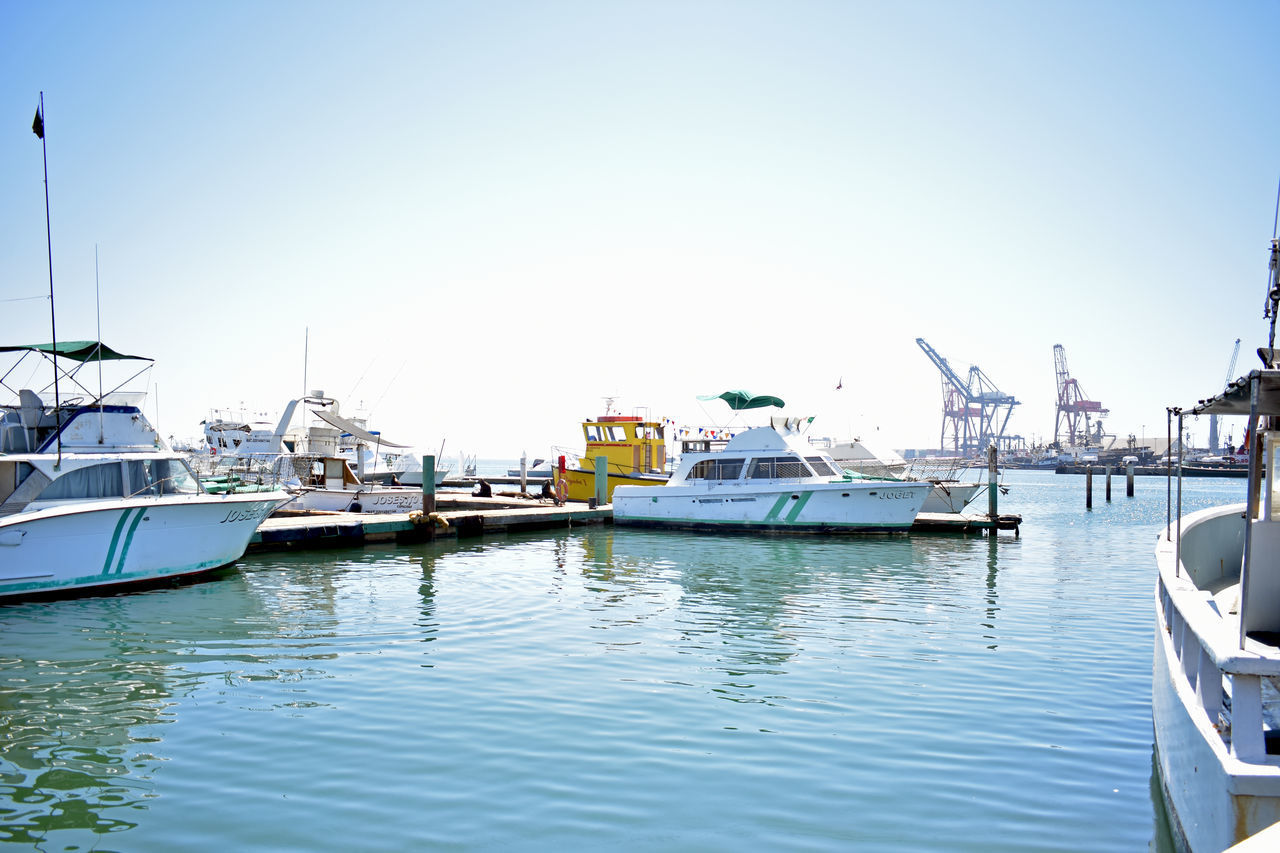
[[37, 126]]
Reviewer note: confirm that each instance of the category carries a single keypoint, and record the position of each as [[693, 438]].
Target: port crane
[[1074, 406], [1213, 419], [974, 410]]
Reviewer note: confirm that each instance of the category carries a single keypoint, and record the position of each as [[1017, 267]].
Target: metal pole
[[1168, 476], [1177, 552], [1255, 452], [53, 322]]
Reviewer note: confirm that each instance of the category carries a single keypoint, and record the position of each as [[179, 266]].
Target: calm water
[[610, 688]]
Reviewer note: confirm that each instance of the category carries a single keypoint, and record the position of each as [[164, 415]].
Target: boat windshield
[[716, 469], [778, 467], [820, 467], [161, 477]]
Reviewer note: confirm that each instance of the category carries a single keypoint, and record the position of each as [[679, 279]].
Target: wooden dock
[[958, 522], [468, 516]]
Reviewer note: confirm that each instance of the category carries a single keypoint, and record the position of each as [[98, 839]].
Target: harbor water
[[607, 688]]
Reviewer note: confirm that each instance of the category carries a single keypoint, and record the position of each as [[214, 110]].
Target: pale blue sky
[[492, 215]]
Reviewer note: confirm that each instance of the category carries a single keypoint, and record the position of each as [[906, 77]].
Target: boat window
[[93, 481], [171, 477], [617, 433], [820, 467], [593, 433], [778, 467], [716, 469]]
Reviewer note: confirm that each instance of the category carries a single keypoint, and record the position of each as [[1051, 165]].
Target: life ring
[[562, 491]]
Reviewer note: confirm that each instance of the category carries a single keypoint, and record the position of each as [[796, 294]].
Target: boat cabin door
[[333, 471]]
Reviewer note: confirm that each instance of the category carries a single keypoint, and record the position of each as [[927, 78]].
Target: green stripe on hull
[[776, 509], [128, 539], [817, 526], [115, 540], [795, 511]]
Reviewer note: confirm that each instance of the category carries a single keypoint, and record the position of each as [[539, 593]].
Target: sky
[[474, 222]]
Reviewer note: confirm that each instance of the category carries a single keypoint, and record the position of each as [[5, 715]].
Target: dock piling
[[1088, 487], [1128, 481], [428, 484], [992, 488], [1108, 484], [602, 480]]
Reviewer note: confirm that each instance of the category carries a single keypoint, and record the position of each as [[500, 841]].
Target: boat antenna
[[1272, 306], [306, 343], [37, 127], [97, 298]]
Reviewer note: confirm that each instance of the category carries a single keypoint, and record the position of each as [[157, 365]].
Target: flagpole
[[53, 323]]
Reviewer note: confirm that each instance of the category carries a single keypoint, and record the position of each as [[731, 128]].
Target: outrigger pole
[[37, 127]]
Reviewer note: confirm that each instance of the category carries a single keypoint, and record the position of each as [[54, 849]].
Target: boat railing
[[1228, 682]]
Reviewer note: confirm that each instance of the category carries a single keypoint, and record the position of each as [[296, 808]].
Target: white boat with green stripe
[[91, 497], [770, 479]]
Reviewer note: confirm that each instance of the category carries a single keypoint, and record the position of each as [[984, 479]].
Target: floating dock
[[471, 516], [475, 516], [958, 522]]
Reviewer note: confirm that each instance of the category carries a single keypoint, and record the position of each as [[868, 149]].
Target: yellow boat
[[635, 450]]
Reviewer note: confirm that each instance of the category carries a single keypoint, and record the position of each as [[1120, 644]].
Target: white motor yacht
[[770, 479]]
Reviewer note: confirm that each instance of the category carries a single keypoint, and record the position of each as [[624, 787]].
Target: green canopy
[[739, 400], [77, 351]]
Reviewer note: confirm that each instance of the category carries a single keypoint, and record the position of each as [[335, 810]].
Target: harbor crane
[[1214, 448], [974, 410], [1074, 406]]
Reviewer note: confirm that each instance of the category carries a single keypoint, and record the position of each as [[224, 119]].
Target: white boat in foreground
[[91, 497], [770, 479], [1215, 698]]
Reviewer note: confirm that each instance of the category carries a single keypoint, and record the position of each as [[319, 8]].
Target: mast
[[37, 127]]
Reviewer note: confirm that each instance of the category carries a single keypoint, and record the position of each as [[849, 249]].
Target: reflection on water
[[828, 693]]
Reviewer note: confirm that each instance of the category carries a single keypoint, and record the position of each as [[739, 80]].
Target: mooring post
[[524, 472], [428, 484], [1108, 484], [992, 488], [1088, 487], [1128, 481], [602, 480]]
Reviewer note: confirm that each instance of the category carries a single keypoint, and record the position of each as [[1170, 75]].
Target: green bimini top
[[739, 400], [77, 351]]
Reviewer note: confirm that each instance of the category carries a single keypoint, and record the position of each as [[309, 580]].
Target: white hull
[[950, 497], [414, 477], [90, 544], [1215, 798], [775, 506], [373, 499]]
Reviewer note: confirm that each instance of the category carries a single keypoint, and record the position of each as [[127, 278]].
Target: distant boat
[[91, 497], [634, 448]]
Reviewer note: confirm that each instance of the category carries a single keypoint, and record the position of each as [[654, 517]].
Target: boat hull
[[950, 497], [1213, 798], [581, 484], [774, 507], [69, 548], [374, 500]]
